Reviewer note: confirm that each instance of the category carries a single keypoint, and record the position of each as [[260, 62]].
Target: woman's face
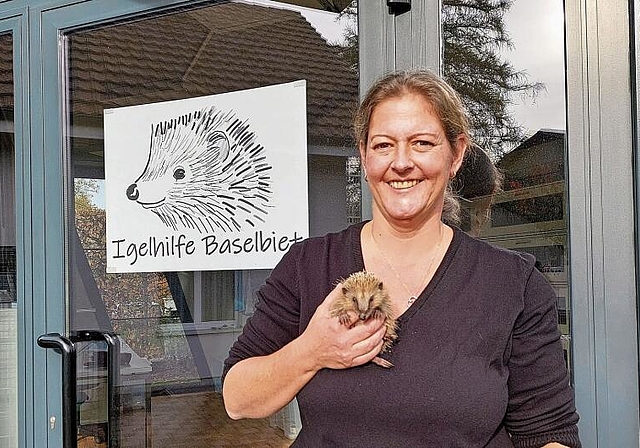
[[408, 160]]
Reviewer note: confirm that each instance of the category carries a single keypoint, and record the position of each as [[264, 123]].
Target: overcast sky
[[326, 23], [537, 31]]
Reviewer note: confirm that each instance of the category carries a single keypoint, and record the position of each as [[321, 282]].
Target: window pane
[[217, 295], [514, 88], [527, 211], [177, 327], [8, 305]]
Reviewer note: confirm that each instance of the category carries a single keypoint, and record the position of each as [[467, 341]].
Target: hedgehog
[[205, 171], [365, 295]]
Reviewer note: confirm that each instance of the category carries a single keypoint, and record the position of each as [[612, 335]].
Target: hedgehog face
[[364, 301], [205, 171], [155, 193]]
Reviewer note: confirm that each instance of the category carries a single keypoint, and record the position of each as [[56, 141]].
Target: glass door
[[149, 347]]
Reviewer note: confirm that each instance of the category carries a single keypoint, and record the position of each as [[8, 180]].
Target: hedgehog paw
[[344, 319], [382, 362]]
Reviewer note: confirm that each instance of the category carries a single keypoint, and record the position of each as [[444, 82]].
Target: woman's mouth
[[403, 184]]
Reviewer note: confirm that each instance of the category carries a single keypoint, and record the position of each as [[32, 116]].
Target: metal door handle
[[113, 358], [69, 381], [68, 351]]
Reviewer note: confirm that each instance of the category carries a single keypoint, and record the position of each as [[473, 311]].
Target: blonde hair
[[446, 104]]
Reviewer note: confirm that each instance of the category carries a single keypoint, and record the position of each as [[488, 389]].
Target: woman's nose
[[402, 160]]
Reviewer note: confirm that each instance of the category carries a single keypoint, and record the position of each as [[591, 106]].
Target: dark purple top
[[478, 361]]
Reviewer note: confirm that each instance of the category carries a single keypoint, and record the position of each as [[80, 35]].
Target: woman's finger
[[369, 355], [362, 329], [333, 295], [370, 343]]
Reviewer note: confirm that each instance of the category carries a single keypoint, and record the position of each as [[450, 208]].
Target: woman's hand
[[338, 346], [257, 387]]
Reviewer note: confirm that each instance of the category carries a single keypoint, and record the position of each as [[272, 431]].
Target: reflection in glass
[[527, 211], [514, 87], [8, 298], [178, 326]]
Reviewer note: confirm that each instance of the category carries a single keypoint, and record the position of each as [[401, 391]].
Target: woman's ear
[[459, 150]]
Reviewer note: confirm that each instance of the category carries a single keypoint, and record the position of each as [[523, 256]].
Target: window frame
[[201, 326]]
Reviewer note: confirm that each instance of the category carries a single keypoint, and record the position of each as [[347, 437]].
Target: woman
[[478, 361]]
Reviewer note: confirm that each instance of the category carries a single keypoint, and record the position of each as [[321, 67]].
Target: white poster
[[207, 183]]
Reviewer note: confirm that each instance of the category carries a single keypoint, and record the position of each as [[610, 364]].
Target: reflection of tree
[[84, 190], [133, 301], [474, 36]]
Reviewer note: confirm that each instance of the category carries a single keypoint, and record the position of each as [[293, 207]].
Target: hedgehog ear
[[380, 285], [344, 290], [218, 145]]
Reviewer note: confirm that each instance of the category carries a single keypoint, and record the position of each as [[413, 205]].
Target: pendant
[[411, 300]]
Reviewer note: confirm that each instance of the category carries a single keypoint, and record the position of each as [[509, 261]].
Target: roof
[[338, 4], [538, 160], [215, 49]]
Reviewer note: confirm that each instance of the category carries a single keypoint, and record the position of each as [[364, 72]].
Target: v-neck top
[[478, 360]]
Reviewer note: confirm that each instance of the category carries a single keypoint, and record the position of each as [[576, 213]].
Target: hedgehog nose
[[363, 316], [132, 192]]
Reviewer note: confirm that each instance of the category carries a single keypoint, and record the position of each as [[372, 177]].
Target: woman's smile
[[403, 184]]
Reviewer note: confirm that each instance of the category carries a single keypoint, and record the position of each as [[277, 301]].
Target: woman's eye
[[423, 145], [381, 146], [179, 174]]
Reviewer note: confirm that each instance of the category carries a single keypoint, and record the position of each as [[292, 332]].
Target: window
[[179, 326], [203, 297]]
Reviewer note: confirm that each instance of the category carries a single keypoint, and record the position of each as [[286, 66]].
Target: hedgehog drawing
[[205, 171]]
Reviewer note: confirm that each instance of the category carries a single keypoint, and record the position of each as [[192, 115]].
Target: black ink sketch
[[205, 171]]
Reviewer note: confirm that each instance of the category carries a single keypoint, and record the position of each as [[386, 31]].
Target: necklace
[[412, 297]]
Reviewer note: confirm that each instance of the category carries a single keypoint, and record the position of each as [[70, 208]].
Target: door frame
[[12, 21]]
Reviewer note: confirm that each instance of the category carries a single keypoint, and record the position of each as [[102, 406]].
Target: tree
[[474, 38], [132, 301], [84, 191]]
